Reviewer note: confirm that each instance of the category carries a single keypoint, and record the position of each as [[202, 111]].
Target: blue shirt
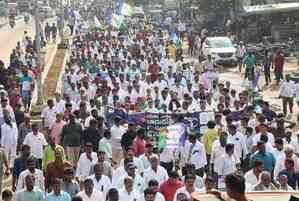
[[71, 188], [34, 195], [26, 82], [267, 158], [62, 197]]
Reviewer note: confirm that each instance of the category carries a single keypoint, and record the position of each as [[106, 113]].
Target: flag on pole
[[108, 14], [175, 39], [97, 22], [117, 21], [123, 8], [126, 10]]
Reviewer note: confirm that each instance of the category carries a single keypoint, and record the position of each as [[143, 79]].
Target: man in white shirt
[[155, 171], [279, 148], [37, 142], [101, 182], [86, 160], [252, 176], [194, 152], [49, 115], [59, 103], [139, 184], [153, 185], [145, 158], [39, 179], [218, 148], [280, 163], [238, 140], [90, 193], [117, 132], [9, 137], [228, 164], [4, 108], [263, 131], [287, 93], [265, 183], [128, 193], [188, 189]]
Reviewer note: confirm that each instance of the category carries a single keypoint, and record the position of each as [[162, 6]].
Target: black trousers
[[267, 75]]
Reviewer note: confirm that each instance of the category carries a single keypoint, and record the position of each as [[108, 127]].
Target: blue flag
[[108, 15], [118, 6], [175, 39]]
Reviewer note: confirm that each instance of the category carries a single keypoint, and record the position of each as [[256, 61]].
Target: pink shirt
[[56, 131], [138, 146]]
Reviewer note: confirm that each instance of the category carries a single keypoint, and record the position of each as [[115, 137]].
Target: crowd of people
[[78, 154]]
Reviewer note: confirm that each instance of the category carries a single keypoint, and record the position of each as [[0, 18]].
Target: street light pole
[[38, 51], [61, 23]]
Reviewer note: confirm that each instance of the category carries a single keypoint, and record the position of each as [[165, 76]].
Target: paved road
[[10, 36]]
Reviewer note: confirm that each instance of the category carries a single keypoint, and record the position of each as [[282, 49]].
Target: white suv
[[221, 49]]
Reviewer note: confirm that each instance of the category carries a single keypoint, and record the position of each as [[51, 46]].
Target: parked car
[[221, 49]]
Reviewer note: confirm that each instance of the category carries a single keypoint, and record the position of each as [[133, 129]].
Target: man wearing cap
[[194, 152]]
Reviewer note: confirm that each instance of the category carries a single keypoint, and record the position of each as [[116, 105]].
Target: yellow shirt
[[208, 138], [172, 51]]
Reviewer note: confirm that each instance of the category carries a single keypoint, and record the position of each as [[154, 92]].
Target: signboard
[[154, 122]]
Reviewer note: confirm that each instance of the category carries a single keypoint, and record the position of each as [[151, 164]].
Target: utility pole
[[38, 51], [61, 26]]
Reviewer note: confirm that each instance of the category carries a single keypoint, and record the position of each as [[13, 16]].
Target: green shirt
[[71, 135], [249, 61], [35, 195], [49, 155]]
